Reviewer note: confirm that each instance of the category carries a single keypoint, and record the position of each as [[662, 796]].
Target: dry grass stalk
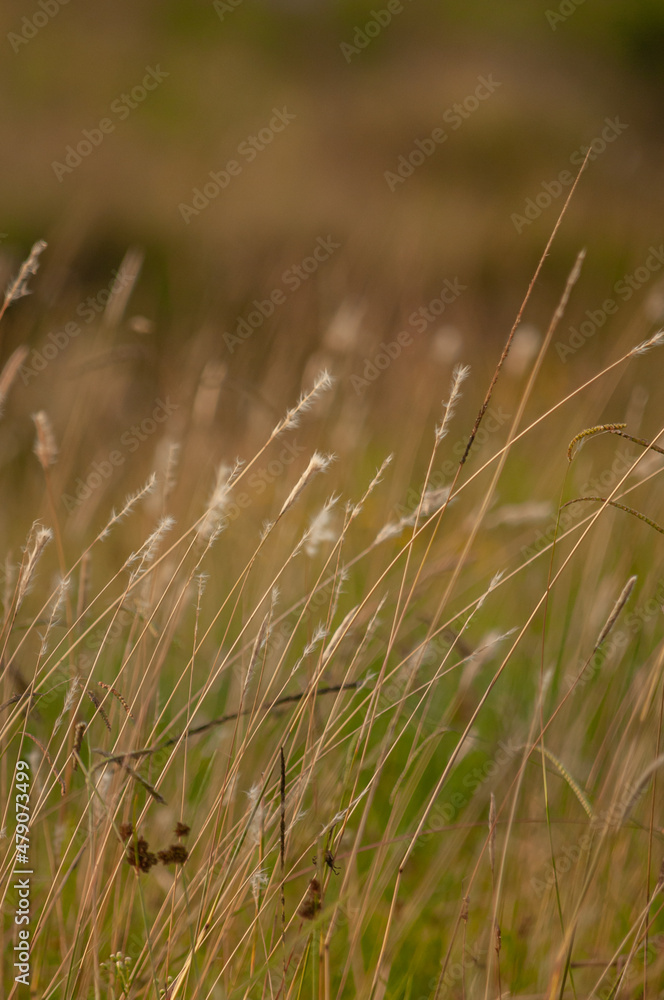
[[617, 608], [83, 585], [98, 708], [282, 850], [129, 504], [322, 383], [213, 520], [317, 463], [49, 760], [618, 506], [116, 694], [37, 542], [222, 720], [70, 698], [459, 375], [656, 340], [580, 439], [79, 732], [18, 288], [150, 789], [10, 371], [492, 834], [45, 447]]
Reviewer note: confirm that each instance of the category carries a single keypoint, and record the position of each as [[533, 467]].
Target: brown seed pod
[[311, 903], [139, 857], [176, 854], [79, 732]]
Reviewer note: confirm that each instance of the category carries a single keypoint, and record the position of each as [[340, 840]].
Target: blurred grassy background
[[561, 77], [323, 176]]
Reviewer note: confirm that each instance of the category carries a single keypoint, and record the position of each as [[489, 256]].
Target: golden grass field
[[282, 727], [331, 431]]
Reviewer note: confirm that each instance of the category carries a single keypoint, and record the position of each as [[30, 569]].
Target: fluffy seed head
[[39, 539], [19, 286], [459, 374], [317, 463], [45, 447]]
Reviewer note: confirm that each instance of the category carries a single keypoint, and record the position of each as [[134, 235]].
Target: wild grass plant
[[287, 738]]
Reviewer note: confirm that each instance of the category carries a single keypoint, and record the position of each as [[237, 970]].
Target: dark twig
[[220, 721], [135, 775], [282, 849]]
